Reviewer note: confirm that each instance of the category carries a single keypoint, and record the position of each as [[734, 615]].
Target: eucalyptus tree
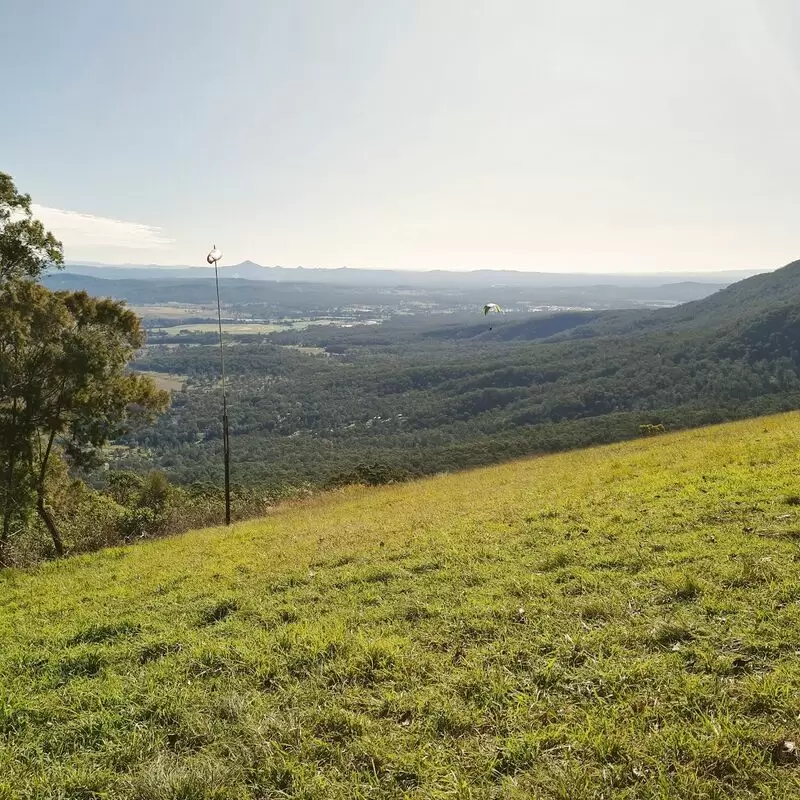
[[65, 389]]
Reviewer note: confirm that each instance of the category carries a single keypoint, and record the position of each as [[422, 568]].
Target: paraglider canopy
[[491, 307]]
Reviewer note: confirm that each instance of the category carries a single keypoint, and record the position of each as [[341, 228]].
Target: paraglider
[[491, 308]]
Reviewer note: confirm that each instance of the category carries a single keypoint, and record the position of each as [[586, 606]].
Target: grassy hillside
[[616, 622]]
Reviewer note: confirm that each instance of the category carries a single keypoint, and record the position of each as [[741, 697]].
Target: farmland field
[[255, 328], [178, 311], [166, 381], [227, 327]]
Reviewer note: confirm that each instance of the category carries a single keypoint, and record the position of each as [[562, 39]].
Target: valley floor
[[616, 622]]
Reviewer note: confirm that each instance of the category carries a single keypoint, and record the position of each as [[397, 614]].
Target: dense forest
[[422, 395]]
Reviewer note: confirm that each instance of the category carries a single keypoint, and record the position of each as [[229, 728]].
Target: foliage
[[26, 249], [616, 622], [64, 386], [125, 507], [651, 430]]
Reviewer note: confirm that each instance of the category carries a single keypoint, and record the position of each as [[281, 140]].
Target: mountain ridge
[[747, 299], [431, 278]]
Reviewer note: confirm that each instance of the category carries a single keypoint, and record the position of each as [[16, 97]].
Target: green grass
[[617, 622], [166, 381]]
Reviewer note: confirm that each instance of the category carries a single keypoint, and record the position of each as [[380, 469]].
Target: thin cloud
[[86, 230]]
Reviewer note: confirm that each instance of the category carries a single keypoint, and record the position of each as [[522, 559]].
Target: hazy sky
[[556, 135]]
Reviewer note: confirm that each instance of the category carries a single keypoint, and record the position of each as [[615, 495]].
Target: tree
[[64, 387], [26, 248]]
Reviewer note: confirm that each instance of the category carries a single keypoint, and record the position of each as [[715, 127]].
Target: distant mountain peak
[[245, 265]]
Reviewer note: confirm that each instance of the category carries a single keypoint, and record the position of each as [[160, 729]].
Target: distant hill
[[745, 300], [748, 297], [162, 286], [297, 298], [345, 276], [773, 294]]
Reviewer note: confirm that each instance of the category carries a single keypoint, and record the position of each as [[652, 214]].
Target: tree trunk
[[45, 515], [6, 532], [12, 454], [49, 522]]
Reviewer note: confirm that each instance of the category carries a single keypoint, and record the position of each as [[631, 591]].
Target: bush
[[130, 507], [138, 523], [375, 474], [123, 486], [94, 522], [156, 492]]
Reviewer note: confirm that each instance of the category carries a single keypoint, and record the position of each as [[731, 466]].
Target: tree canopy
[[26, 248], [64, 385]]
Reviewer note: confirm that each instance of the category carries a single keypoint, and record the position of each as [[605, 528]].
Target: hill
[[421, 395], [431, 279], [615, 622], [732, 307], [280, 297]]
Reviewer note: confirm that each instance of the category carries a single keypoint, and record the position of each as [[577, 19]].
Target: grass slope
[[616, 622]]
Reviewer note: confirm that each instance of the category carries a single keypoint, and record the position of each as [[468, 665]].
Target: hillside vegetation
[[615, 622], [425, 394]]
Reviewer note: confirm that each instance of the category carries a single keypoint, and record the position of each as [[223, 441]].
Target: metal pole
[[213, 257]]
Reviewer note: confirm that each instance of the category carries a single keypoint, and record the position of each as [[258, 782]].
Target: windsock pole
[[212, 258]]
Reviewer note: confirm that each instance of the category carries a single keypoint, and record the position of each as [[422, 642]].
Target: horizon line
[[248, 262]]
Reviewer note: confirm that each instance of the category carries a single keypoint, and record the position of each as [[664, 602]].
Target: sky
[[614, 136]]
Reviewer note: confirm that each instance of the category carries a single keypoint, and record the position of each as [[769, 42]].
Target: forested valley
[[423, 394]]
